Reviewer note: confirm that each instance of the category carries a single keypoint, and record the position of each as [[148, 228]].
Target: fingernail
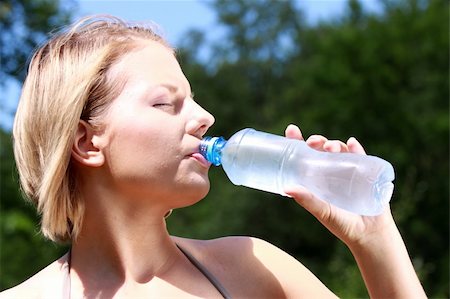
[[314, 138]]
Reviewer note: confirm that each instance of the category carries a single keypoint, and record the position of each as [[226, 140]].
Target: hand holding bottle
[[374, 241], [347, 226]]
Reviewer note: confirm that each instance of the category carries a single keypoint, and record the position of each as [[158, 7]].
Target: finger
[[318, 208], [316, 142], [354, 146], [293, 131], [335, 146]]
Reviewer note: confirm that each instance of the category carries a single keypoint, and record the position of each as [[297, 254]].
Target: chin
[[185, 188], [193, 193], [199, 192]]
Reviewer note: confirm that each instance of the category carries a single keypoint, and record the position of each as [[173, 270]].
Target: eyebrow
[[174, 89]]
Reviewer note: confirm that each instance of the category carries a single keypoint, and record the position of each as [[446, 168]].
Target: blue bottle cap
[[211, 149]]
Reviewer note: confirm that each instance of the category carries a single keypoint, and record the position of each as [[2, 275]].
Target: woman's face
[[153, 130]]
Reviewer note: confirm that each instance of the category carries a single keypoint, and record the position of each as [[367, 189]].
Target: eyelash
[[165, 103], [162, 104]]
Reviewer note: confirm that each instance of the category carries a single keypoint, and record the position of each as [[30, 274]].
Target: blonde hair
[[67, 81]]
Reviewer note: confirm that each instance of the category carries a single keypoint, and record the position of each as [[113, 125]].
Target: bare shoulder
[[46, 282], [234, 251], [244, 251], [257, 268]]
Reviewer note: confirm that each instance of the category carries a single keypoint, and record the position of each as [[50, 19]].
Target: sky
[[174, 18]]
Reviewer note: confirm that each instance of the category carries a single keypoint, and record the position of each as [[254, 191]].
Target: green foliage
[[381, 78], [23, 251], [24, 24]]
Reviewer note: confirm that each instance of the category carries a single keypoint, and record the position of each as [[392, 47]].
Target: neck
[[122, 240]]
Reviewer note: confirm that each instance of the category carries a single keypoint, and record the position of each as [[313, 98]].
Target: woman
[[106, 143]]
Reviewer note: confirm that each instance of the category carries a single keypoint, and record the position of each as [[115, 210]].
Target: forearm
[[386, 267]]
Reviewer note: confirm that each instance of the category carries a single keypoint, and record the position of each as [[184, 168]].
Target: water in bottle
[[358, 183]]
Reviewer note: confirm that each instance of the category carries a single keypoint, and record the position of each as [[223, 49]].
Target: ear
[[84, 149]]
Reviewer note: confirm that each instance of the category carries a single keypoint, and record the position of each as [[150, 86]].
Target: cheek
[[138, 152]]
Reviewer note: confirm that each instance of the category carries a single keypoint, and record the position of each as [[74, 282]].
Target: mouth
[[200, 159]]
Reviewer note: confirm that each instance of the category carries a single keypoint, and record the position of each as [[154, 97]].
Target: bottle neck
[[211, 149]]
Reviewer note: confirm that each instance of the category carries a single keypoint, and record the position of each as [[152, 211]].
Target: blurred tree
[[23, 25], [385, 79], [23, 251], [250, 59], [380, 77]]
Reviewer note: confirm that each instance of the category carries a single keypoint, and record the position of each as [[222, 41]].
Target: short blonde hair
[[67, 81]]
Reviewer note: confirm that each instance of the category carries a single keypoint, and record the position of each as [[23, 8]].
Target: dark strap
[[206, 273]]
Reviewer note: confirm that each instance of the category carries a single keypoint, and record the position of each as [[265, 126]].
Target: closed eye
[[167, 107], [157, 105]]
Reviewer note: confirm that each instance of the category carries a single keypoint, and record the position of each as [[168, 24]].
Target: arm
[[375, 241], [385, 265]]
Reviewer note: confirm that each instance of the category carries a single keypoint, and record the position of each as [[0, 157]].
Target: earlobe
[[83, 149]]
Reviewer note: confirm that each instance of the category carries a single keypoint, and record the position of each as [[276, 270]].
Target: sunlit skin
[[150, 144], [144, 162]]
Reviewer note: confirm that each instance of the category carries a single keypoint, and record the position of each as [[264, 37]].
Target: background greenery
[[383, 78]]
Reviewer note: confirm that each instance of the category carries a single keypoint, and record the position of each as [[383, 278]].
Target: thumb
[[317, 207]]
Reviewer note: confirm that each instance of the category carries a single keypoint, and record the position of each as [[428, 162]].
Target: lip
[[200, 159]]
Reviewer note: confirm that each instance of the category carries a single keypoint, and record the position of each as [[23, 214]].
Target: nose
[[199, 120]]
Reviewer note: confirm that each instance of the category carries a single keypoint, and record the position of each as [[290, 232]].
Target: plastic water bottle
[[358, 183]]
